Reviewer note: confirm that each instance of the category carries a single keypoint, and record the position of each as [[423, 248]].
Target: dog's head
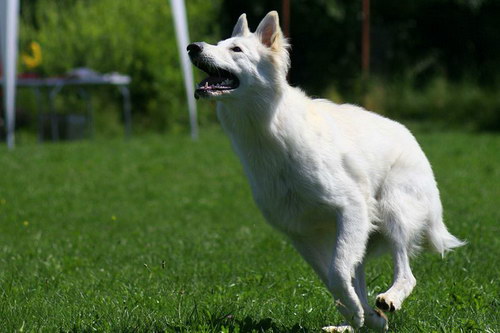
[[246, 61]]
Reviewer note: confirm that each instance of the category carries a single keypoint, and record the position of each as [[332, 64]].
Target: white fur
[[339, 181]]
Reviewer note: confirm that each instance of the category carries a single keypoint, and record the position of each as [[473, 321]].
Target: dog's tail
[[440, 239]]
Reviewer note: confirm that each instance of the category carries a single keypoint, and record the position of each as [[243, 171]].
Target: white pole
[[182, 34], [9, 11]]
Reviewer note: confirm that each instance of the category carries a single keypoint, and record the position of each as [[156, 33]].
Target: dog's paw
[[337, 329], [377, 320], [355, 320], [384, 303]]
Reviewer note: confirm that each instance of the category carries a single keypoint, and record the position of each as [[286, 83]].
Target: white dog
[[341, 182]]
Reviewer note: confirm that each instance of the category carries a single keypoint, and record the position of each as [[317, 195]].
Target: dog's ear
[[269, 31], [241, 27]]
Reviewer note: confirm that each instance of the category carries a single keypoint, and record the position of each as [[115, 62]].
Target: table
[[56, 84]]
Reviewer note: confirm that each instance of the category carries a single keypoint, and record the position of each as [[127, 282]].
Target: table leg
[[54, 123], [90, 110], [39, 114], [127, 110]]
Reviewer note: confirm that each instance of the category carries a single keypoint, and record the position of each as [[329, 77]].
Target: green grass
[[160, 234]]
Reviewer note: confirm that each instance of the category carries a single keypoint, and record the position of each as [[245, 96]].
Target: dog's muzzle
[[219, 81]]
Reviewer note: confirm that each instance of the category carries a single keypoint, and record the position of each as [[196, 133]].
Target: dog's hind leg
[[403, 282], [404, 211]]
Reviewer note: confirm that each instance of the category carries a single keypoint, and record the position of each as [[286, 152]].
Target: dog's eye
[[236, 49]]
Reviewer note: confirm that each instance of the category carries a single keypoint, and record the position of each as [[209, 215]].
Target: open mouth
[[218, 82]]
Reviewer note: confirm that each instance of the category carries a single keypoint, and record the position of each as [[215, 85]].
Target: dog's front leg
[[316, 248], [353, 229]]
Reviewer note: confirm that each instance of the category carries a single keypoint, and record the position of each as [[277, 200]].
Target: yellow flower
[[32, 58], [113, 218], [26, 223]]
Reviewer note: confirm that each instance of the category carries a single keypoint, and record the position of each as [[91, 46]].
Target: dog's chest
[[288, 186]]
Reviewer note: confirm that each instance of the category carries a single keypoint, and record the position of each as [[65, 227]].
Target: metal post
[[181, 30], [365, 39], [286, 17], [9, 16]]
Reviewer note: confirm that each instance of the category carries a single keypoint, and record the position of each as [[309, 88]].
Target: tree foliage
[[133, 37]]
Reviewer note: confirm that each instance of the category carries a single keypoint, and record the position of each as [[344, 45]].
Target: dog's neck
[[252, 115]]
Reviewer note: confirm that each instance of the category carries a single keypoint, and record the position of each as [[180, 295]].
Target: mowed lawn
[[160, 233]]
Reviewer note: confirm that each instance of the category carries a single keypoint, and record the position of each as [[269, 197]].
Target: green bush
[[462, 104], [133, 37]]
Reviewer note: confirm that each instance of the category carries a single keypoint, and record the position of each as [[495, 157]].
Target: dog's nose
[[194, 49]]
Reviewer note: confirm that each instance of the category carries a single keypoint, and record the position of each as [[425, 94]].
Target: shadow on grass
[[247, 325]]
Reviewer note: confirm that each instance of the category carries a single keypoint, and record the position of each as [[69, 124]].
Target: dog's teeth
[[206, 85]]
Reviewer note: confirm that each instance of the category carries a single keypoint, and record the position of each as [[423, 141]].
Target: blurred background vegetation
[[436, 61]]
